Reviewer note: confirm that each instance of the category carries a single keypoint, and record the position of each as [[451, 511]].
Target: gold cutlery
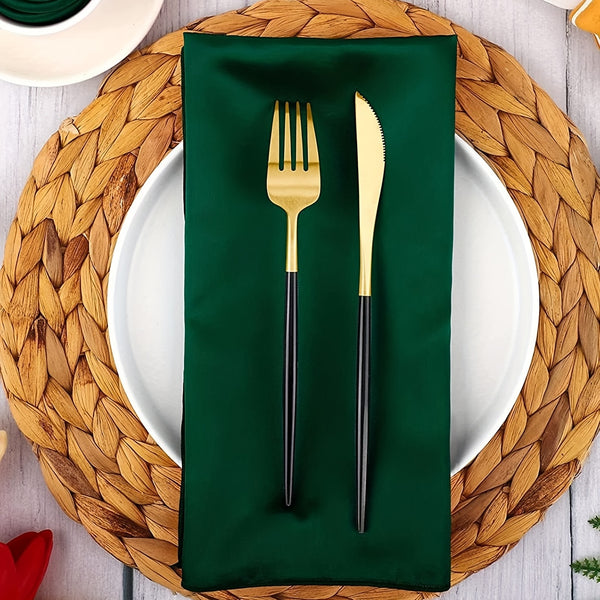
[[370, 146], [292, 185]]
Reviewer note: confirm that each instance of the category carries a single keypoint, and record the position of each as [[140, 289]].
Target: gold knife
[[370, 146]]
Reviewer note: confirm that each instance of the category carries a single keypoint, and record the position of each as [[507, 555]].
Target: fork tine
[[311, 138], [287, 140], [274, 143], [299, 153]]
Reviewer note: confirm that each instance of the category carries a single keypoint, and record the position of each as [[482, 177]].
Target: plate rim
[[533, 279]]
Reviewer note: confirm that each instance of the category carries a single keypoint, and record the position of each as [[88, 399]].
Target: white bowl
[[7, 24], [83, 46]]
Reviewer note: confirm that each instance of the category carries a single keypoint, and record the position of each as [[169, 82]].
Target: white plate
[[91, 45], [495, 305]]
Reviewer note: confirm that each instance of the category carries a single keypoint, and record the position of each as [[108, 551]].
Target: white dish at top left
[[97, 40]]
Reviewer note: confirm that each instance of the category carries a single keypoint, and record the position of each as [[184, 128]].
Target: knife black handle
[[290, 381], [362, 407]]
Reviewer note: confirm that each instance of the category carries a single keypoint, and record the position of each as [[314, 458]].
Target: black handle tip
[[360, 526]]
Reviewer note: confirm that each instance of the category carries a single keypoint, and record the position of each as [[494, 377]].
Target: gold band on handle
[[366, 259], [364, 285], [291, 255]]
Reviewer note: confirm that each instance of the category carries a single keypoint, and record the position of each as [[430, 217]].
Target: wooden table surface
[[564, 61]]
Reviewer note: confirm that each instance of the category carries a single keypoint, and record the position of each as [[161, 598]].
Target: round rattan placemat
[[56, 363]]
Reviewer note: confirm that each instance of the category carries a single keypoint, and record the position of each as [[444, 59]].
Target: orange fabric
[[587, 17]]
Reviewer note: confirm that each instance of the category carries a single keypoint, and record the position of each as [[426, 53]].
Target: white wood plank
[[584, 92], [585, 501]]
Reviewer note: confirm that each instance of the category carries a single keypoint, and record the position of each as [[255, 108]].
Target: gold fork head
[[293, 184]]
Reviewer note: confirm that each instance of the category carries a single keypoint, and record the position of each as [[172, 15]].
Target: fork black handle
[[363, 377], [290, 381]]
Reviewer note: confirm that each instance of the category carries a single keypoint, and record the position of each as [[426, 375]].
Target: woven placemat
[[63, 389]]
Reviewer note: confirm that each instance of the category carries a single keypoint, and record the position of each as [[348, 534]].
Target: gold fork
[[293, 188]]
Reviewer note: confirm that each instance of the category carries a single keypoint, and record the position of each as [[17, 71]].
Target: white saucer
[[93, 44], [495, 305]]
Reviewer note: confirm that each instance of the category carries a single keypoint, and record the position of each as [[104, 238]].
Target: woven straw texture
[[56, 362]]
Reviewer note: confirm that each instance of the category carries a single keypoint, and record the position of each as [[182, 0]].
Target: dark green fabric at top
[[235, 529], [40, 12]]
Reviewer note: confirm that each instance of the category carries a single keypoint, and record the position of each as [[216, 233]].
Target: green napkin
[[40, 12], [235, 529]]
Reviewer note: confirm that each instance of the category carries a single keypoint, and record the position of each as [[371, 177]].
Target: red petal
[[32, 564], [18, 544], [8, 574]]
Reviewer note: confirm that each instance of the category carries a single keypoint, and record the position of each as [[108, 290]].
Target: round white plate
[[92, 45], [495, 305]]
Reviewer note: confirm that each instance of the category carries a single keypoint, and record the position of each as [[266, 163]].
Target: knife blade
[[370, 147]]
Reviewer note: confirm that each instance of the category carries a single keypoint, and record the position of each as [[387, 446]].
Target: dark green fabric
[[40, 12], [235, 529]]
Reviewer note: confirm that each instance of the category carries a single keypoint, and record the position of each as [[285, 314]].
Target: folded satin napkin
[[235, 530], [40, 12]]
